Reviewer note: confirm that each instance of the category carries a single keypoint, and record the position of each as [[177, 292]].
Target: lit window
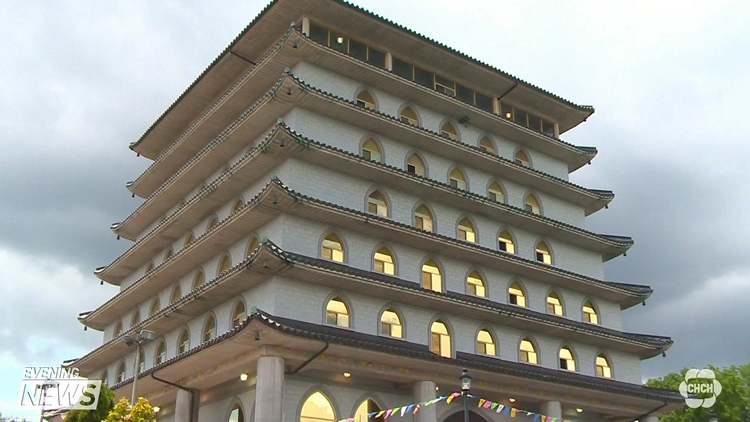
[[390, 324], [449, 131], [496, 193], [176, 294], [475, 285], [120, 372], [366, 100], [183, 344], [317, 408], [239, 314], [522, 158], [237, 205], [567, 361], [200, 279], [440, 339], [485, 144], [505, 242], [368, 406], [431, 278], [154, 307], [383, 261], [603, 368], [554, 305], [213, 223], [332, 248], [485, 343], [543, 253], [371, 151], [136, 318], [457, 179], [118, 329], [423, 219], [161, 353], [408, 115], [209, 330], [189, 239], [225, 265], [236, 415], [415, 165], [377, 204], [531, 204], [252, 246], [169, 254], [528, 352], [337, 313], [466, 231], [589, 313], [516, 295]]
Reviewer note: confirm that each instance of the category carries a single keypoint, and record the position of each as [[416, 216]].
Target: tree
[[732, 405], [105, 405], [141, 412]]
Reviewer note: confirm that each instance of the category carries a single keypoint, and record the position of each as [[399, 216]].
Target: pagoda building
[[341, 215]]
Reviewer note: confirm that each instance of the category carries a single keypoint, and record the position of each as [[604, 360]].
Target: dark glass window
[[535, 123], [520, 117], [484, 102], [423, 78], [318, 34], [446, 86], [465, 94], [376, 58], [403, 69], [548, 128], [339, 42], [358, 50]]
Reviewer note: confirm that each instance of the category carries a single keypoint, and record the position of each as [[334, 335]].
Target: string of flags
[[413, 409]]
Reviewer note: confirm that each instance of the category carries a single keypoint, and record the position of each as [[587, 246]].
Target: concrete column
[[495, 105], [552, 408], [269, 389], [388, 60], [424, 391], [651, 419], [182, 407], [306, 26]]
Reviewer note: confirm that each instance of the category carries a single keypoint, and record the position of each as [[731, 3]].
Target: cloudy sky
[[669, 80]]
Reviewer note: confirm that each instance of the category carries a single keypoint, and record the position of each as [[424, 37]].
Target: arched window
[[371, 151], [209, 329], [449, 131], [554, 305], [390, 324], [567, 361], [589, 313], [415, 165], [496, 193], [408, 115], [543, 253], [150, 267], [154, 307], [457, 179], [213, 223], [176, 294], [105, 377], [366, 100], [475, 285], [505, 242], [485, 144], [337, 313], [225, 265], [522, 158], [440, 339], [527, 352], [365, 408], [169, 254], [332, 248], [183, 343], [237, 205], [431, 278], [383, 261], [200, 279], [516, 295], [141, 360], [118, 329], [485, 343], [252, 246], [120, 377], [531, 204], [189, 239], [239, 314], [236, 415], [423, 219], [377, 204], [136, 318], [466, 231], [317, 408], [603, 368], [161, 353]]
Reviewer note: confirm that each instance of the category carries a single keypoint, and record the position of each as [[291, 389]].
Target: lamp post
[[46, 386], [465, 387], [144, 336], [714, 417]]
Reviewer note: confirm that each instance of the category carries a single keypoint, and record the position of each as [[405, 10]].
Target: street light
[[144, 336], [714, 417], [465, 387]]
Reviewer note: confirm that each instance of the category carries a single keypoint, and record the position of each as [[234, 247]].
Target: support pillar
[[182, 407], [269, 389], [424, 391], [552, 408]]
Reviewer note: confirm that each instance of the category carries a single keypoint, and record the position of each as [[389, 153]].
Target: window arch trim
[[322, 389], [209, 317], [534, 344], [604, 354], [233, 315], [491, 141], [526, 153], [556, 292], [186, 332], [493, 336], [413, 109], [550, 251], [372, 105], [421, 158], [595, 307], [377, 143], [238, 403], [440, 268], [387, 200], [418, 205], [512, 239], [515, 281], [394, 308], [482, 276], [349, 309], [470, 220], [362, 398], [504, 191], [376, 249], [451, 334], [538, 201], [454, 125], [254, 240], [453, 168], [342, 241], [573, 353]]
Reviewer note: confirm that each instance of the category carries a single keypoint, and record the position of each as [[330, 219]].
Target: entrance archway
[[459, 417]]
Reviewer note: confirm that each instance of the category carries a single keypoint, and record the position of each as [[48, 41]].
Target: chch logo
[[700, 388]]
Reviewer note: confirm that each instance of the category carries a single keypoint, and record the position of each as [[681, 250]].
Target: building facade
[[341, 215]]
